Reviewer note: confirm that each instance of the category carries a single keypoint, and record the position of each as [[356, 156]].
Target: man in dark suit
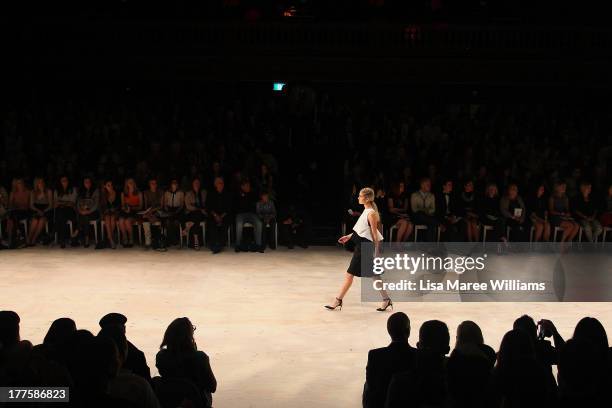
[[135, 359], [452, 226], [219, 215], [384, 362], [424, 384]]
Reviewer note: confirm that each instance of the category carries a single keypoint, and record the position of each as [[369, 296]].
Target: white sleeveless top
[[362, 228]]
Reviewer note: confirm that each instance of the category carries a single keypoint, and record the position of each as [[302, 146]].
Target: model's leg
[[346, 285], [383, 294]]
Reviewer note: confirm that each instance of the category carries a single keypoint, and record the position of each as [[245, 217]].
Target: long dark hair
[[591, 330], [60, 188], [178, 337], [84, 192], [516, 348]]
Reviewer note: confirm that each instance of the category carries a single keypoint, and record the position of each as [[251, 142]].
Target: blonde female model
[[366, 230]]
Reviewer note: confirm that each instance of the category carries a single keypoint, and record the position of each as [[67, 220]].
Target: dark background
[[425, 55]]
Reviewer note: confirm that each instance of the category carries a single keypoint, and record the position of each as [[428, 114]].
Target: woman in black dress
[[398, 212], [538, 214], [466, 209], [490, 214], [366, 230]]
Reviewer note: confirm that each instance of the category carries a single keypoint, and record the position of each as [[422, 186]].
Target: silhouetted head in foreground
[[9, 329], [398, 326], [527, 324], [434, 337], [179, 336], [61, 329], [591, 330]]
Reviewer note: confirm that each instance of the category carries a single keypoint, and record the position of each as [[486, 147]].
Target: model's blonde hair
[[369, 195]]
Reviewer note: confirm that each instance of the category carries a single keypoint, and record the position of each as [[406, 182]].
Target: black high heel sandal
[[339, 305], [387, 305]]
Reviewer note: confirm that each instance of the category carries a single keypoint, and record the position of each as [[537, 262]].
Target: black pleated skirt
[[362, 262]]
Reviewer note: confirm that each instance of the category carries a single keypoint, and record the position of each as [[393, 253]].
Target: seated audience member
[[244, 208], [490, 214], [514, 213], [606, 215], [55, 340], [127, 385], [131, 203], [583, 379], [294, 227], [586, 212], [220, 215], [110, 205], [397, 212], [41, 205], [49, 359], [3, 212], [469, 367], [136, 361], [151, 224], [591, 330], [93, 363], [9, 331], [173, 206], [545, 353], [384, 362], [179, 357], [519, 380], [195, 213], [14, 352], [18, 210], [453, 226], [88, 202], [469, 337], [425, 385], [266, 211], [560, 215], [264, 180], [423, 204], [352, 208], [64, 201], [538, 214], [467, 208]]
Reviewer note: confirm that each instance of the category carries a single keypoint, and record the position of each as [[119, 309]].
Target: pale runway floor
[[260, 317]]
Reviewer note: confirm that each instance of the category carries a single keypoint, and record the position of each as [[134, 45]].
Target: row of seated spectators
[[509, 214], [519, 374], [107, 370], [167, 216]]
